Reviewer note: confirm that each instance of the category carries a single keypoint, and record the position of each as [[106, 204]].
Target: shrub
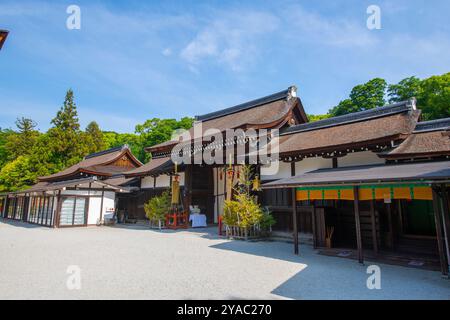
[[157, 207]]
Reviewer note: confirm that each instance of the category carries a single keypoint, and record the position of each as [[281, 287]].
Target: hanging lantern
[[257, 184]]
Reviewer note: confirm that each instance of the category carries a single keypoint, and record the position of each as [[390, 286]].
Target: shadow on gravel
[[20, 224]]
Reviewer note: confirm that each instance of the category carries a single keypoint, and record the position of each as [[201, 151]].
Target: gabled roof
[[100, 164], [268, 112], [430, 139], [282, 95], [3, 36], [360, 129], [365, 115], [154, 167]]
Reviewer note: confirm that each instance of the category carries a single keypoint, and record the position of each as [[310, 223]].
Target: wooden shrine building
[[81, 195]]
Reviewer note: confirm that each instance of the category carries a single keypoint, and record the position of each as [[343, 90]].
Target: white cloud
[[311, 27], [167, 52], [232, 39]]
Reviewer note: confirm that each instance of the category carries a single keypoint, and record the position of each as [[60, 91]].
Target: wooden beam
[[294, 221], [358, 225], [374, 226], [439, 237]]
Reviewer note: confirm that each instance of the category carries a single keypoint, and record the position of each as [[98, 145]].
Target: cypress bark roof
[[429, 139], [155, 166], [100, 164], [360, 128], [268, 112]]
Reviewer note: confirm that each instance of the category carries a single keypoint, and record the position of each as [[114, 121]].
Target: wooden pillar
[[391, 229], [358, 225], [439, 236], [58, 210], [374, 226], [446, 220], [313, 222], [294, 221], [101, 204], [188, 186]]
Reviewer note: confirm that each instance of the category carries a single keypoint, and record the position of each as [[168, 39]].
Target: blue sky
[[134, 60]]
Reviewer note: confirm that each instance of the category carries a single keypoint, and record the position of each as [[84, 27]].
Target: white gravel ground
[[137, 263]]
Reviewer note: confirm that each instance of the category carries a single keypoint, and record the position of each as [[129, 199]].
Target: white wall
[[284, 171], [162, 181], [108, 207], [311, 164], [360, 159]]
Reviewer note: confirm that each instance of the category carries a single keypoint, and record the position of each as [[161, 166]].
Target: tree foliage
[[362, 97], [432, 94]]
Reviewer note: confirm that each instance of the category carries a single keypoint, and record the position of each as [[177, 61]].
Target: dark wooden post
[[313, 222], [437, 219], [188, 186], [101, 204], [358, 225], [391, 229], [58, 210], [446, 220], [374, 226], [294, 221]]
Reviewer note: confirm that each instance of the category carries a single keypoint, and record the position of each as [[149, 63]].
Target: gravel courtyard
[[138, 263]]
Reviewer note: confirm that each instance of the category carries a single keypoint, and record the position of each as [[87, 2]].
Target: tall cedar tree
[[21, 142], [67, 140], [94, 138]]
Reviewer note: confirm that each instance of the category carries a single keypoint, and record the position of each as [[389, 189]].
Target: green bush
[[157, 207]]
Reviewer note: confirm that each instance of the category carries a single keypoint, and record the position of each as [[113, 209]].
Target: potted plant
[[156, 209]]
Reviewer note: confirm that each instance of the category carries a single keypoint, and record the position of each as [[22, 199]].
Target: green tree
[[317, 117], [4, 134], [94, 138], [67, 116], [404, 90], [362, 97], [21, 141], [67, 143], [156, 130], [434, 97]]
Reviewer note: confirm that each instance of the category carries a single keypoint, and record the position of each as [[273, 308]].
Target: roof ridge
[[399, 107], [432, 125], [103, 152], [290, 92]]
